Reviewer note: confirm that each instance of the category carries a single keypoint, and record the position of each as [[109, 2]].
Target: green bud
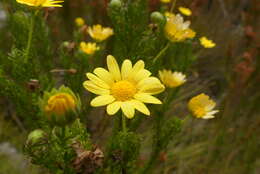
[[65, 44], [36, 136], [115, 4], [158, 18]]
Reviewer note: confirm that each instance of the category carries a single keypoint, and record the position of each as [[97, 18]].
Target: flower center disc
[[123, 90]]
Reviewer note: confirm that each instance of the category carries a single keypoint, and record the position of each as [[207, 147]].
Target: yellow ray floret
[[185, 11], [100, 33], [205, 42], [79, 21], [41, 3], [165, 1], [89, 48], [172, 79], [127, 88], [202, 106], [176, 30]]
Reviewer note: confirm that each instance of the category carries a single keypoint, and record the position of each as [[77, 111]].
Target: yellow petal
[[97, 81], [113, 67], [139, 65], [150, 85], [104, 75], [142, 74], [146, 98], [90, 86], [126, 68], [102, 100], [113, 107], [128, 109], [140, 107]]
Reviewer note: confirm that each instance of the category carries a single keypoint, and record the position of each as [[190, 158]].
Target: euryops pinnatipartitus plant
[[148, 61]]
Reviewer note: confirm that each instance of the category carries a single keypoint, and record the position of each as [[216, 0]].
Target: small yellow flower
[[79, 21], [41, 3], [89, 48], [128, 88], [100, 33], [60, 106], [60, 103], [169, 14], [185, 11], [176, 30], [205, 42], [202, 106], [172, 79], [165, 1]]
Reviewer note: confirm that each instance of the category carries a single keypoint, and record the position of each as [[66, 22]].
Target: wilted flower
[[60, 106], [41, 3], [100, 33], [202, 106], [79, 21], [205, 42], [127, 89], [172, 79], [89, 48], [176, 30], [185, 11]]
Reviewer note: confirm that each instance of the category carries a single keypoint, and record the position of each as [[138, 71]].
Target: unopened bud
[[115, 4], [36, 136], [158, 18]]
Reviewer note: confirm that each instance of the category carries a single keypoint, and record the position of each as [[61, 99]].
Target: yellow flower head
[[41, 3], [60, 106], [165, 1], [207, 43], [169, 14], [89, 48], [202, 106], [172, 79], [79, 21], [128, 88], [176, 30], [100, 33], [185, 11]]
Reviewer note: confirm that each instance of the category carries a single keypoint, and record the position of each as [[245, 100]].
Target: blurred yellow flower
[[89, 48], [202, 106], [128, 88], [100, 33], [79, 21], [185, 11], [172, 79], [176, 30], [168, 14], [41, 3], [60, 103], [165, 1], [207, 43]]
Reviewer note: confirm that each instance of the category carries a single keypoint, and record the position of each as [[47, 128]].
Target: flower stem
[[29, 41], [173, 5], [124, 124], [161, 52]]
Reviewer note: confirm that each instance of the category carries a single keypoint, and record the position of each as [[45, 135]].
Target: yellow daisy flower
[[127, 89], [165, 1], [205, 42], [202, 106], [89, 48], [100, 33], [185, 11], [79, 21], [176, 30], [41, 3], [172, 79]]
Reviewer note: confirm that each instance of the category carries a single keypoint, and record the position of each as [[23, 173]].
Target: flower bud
[[158, 18], [60, 107], [35, 137], [115, 4]]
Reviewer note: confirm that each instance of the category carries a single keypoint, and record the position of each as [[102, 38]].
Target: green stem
[[161, 52], [124, 123], [29, 41], [173, 5]]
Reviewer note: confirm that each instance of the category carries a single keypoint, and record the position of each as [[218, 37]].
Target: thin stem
[[173, 5], [29, 41], [124, 123], [161, 52]]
